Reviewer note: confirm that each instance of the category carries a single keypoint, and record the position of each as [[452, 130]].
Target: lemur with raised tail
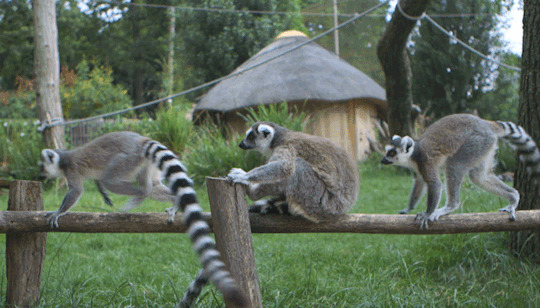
[[315, 178], [114, 161], [461, 144]]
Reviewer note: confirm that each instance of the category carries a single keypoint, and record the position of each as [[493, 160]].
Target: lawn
[[295, 270]]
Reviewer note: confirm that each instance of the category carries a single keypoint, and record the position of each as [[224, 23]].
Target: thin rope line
[[218, 10], [357, 16], [517, 69]]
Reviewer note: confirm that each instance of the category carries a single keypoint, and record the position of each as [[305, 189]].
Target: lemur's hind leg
[[104, 193], [144, 180], [485, 179]]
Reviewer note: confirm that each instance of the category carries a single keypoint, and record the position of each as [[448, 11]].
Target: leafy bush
[[141, 126], [92, 92], [20, 147], [280, 114], [213, 155], [19, 105], [173, 128]]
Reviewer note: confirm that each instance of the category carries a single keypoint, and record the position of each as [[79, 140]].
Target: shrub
[[92, 92], [172, 128], [213, 155], [20, 147], [19, 105], [281, 114]]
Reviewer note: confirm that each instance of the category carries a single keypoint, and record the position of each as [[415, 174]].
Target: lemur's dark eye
[[251, 136], [391, 153]]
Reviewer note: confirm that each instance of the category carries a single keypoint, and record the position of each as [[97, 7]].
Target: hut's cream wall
[[332, 121]]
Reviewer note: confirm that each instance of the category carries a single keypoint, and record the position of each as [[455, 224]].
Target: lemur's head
[[259, 137], [50, 164], [399, 151]]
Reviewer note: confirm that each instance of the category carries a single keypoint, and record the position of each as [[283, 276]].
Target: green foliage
[[217, 43], [506, 158], [213, 155], [280, 114], [357, 41], [173, 128], [447, 78], [92, 93], [20, 105], [501, 103], [17, 47], [20, 147]]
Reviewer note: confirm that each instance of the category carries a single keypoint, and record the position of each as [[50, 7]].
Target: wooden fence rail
[[82, 222], [25, 224]]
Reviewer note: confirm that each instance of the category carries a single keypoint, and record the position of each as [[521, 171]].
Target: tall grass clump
[[213, 154], [172, 128], [281, 114], [20, 146]]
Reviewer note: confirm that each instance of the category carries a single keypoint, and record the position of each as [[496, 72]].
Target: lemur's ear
[[265, 130], [407, 143], [49, 155]]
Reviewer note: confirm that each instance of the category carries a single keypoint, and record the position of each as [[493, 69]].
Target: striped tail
[[198, 230], [194, 289], [525, 146]]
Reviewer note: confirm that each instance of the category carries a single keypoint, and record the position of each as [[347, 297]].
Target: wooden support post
[[25, 252], [233, 235]]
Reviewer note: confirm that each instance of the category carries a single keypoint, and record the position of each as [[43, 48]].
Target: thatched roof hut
[[343, 102]]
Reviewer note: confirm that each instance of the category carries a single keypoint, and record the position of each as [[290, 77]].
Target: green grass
[[295, 270]]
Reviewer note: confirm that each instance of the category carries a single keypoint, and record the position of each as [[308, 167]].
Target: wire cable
[[72, 122]]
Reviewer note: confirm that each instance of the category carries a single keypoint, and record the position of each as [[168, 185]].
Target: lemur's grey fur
[[114, 161], [317, 179], [462, 143], [306, 175]]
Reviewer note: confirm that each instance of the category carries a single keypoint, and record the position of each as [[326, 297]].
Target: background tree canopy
[[447, 78], [130, 40]]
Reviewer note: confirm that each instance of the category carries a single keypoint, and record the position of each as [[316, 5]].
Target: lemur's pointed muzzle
[[386, 161], [243, 145]]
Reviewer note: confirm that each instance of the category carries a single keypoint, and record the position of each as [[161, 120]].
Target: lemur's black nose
[[243, 145]]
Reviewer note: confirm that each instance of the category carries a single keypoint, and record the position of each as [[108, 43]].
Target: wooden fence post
[[232, 230], [25, 252]]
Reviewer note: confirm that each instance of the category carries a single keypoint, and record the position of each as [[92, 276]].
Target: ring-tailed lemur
[[317, 179], [113, 161], [462, 143], [306, 175]]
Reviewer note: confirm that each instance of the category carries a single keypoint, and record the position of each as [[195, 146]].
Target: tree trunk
[[396, 66], [47, 71], [170, 57], [527, 243]]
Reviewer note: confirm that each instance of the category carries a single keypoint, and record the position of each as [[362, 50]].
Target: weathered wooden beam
[[233, 236], [25, 252], [35, 221], [31, 221]]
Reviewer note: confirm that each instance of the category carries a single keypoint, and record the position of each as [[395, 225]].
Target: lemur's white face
[[50, 164], [258, 137], [399, 151]]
